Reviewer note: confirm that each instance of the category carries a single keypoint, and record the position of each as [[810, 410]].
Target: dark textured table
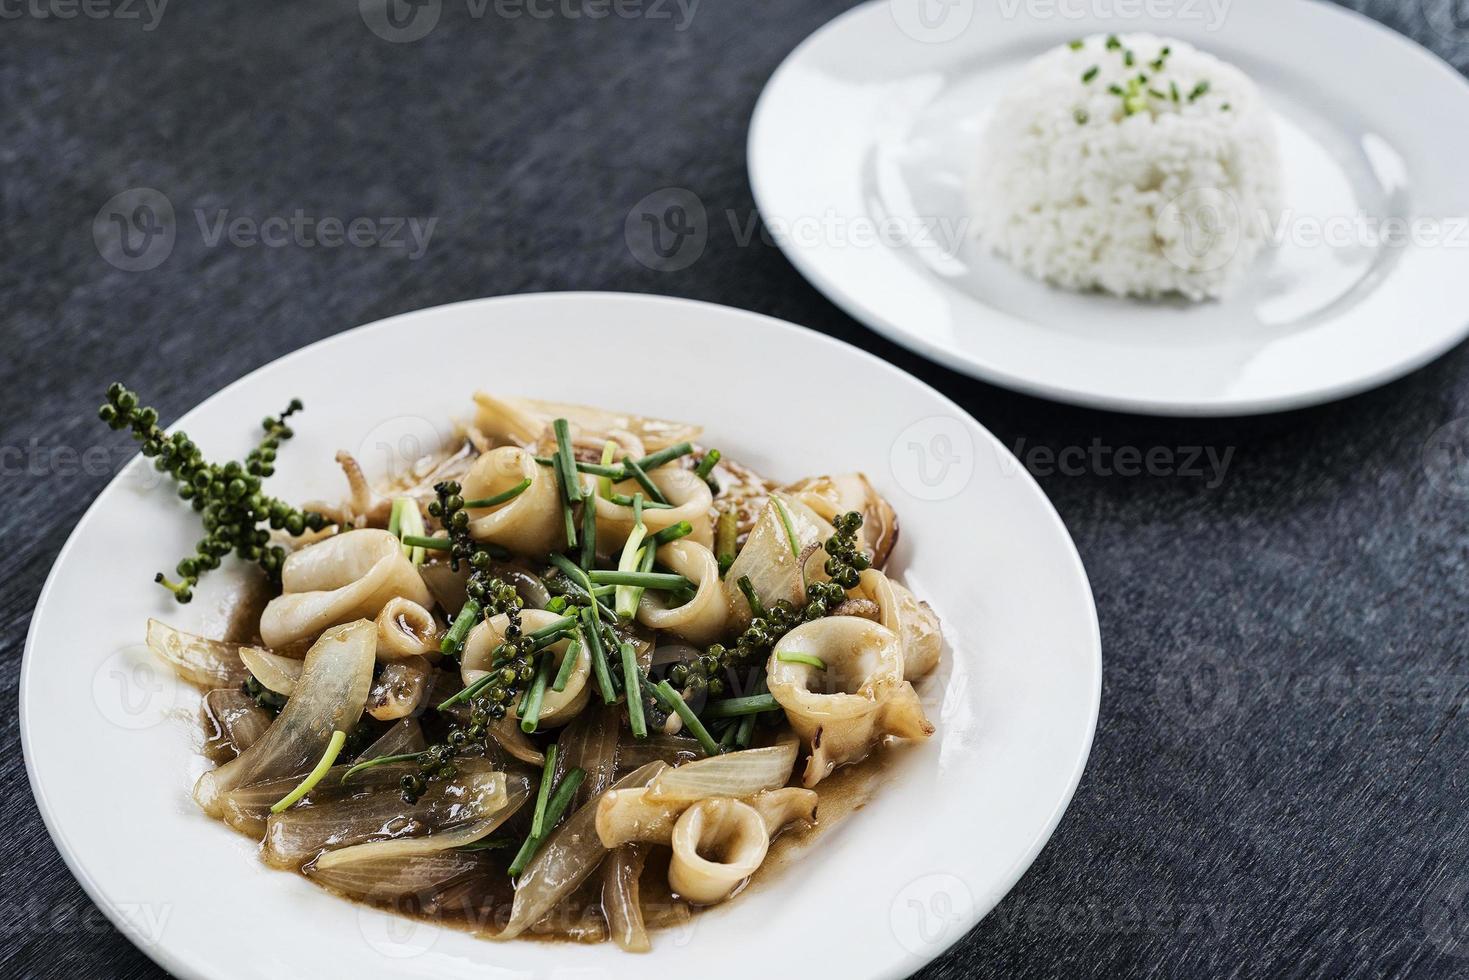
[[1278, 779]]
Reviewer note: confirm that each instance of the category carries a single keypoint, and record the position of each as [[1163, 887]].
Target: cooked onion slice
[[237, 720], [672, 749], [733, 836], [274, 672], [478, 793], [858, 699], [735, 774], [569, 855], [329, 697], [769, 560], [210, 663], [620, 903], [248, 808], [340, 579], [527, 420], [590, 744], [385, 879], [833, 495], [400, 739]]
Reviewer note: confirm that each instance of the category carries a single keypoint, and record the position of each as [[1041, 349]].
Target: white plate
[[860, 150], [110, 738]]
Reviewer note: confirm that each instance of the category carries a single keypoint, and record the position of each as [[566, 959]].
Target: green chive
[[654, 460], [453, 640], [732, 707], [591, 469], [1081, 117], [543, 794], [554, 811], [1090, 74], [531, 701], [663, 581], [726, 534], [1077, 45], [604, 481], [1173, 91], [630, 674], [624, 500], [569, 484], [395, 517], [691, 721], [588, 533], [1129, 59], [381, 760], [757, 608], [568, 665], [671, 533], [599, 657], [1199, 91], [433, 544], [793, 657], [1113, 42], [500, 498], [333, 749], [638, 473], [785, 519]]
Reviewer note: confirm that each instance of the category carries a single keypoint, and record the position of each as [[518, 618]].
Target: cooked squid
[[857, 700], [829, 496], [557, 707], [528, 523], [913, 621], [527, 421], [406, 629], [688, 494], [701, 619], [345, 577]]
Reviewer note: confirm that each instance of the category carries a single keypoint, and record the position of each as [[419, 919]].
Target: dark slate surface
[[1277, 782]]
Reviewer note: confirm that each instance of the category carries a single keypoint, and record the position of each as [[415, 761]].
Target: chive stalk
[[674, 700], [588, 534], [500, 498], [381, 760], [554, 811], [664, 456], [630, 674], [795, 657], [625, 600], [592, 633], [641, 476], [543, 794], [661, 581], [323, 766], [453, 640], [591, 469], [604, 482], [785, 520], [754, 704], [671, 533], [726, 534], [757, 608], [531, 701], [431, 544], [568, 664]]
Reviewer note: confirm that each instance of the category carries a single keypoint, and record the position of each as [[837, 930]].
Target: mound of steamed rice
[[1101, 170]]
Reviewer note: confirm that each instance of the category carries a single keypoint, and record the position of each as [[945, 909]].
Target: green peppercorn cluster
[[845, 563], [228, 497], [437, 761], [264, 696]]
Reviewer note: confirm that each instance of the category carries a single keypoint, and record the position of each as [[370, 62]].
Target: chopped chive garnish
[[793, 657], [727, 736], [733, 707], [1090, 74], [568, 665], [757, 608], [569, 483], [453, 640], [1077, 45], [671, 533], [323, 766], [1224, 107], [591, 469], [1173, 91], [588, 533], [1129, 59], [626, 501], [638, 473], [381, 760], [662, 581], [500, 498], [1081, 117], [604, 481], [667, 455], [726, 534], [674, 700], [705, 470], [785, 519], [554, 811], [531, 701], [1116, 90], [572, 571], [1113, 42], [543, 793], [395, 519], [1199, 91], [551, 632], [746, 731], [432, 544], [487, 844], [1156, 65], [630, 674], [599, 657], [1156, 94]]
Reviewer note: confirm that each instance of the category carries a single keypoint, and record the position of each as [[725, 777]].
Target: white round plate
[[861, 148], [111, 739]]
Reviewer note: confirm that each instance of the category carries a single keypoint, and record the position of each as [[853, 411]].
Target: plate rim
[[161, 954], [1148, 406]]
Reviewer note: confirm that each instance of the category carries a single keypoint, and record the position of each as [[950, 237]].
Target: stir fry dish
[[567, 678]]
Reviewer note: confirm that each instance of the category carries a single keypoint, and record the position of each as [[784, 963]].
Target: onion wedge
[[734, 774], [388, 879], [620, 903], [571, 854], [211, 663], [274, 672], [329, 698]]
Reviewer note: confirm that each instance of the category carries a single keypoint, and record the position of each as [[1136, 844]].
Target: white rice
[[1175, 198]]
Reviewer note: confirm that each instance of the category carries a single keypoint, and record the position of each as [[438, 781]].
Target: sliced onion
[[571, 853], [238, 722], [525, 420], [734, 774], [210, 663], [400, 689], [452, 813], [620, 874], [445, 584], [400, 739], [628, 815], [507, 734], [393, 878], [769, 561], [247, 808], [274, 672], [590, 743], [329, 698], [672, 749]]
